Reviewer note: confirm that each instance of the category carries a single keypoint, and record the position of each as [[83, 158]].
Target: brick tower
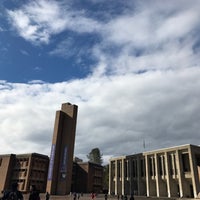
[[62, 150]]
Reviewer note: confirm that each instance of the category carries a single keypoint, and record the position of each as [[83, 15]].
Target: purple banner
[[51, 163]]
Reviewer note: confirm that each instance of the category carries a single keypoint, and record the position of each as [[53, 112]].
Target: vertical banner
[[51, 163], [63, 168]]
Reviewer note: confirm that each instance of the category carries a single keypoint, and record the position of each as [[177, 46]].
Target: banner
[[51, 163]]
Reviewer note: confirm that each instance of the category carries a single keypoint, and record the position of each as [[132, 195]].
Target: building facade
[[169, 172], [87, 177], [25, 169], [32, 169], [62, 150]]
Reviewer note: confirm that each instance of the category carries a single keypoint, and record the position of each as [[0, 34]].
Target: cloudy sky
[[132, 67]]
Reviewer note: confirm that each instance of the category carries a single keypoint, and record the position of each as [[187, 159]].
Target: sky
[[132, 67]]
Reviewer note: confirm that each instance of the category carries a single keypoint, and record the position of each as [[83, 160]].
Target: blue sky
[[132, 67], [39, 48]]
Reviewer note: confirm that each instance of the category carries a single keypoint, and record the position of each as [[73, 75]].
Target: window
[[172, 164], [161, 164], [126, 169], [119, 169], [186, 162], [134, 164], [142, 167], [152, 166]]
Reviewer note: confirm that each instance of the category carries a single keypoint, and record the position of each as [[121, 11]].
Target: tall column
[[127, 185], [147, 175], [110, 178], [194, 172], [116, 177], [122, 176], [157, 176], [168, 174], [180, 172]]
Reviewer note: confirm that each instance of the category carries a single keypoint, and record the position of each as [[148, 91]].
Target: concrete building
[[25, 169], [169, 172], [62, 150], [87, 177]]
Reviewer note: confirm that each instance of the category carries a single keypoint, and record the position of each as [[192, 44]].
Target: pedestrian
[[34, 193], [92, 195], [75, 195], [132, 197], [106, 196], [13, 194], [47, 196]]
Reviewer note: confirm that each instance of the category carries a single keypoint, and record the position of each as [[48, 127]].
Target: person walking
[[34, 193], [75, 195], [131, 197], [47, 196], [93, 195], [106, 196]]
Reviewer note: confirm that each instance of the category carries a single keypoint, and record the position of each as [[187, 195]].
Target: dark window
[[119, 169], [134, 168], [186, 163], [171, 164], [151, 166], [142, 167], [160, 165], [126, 169]]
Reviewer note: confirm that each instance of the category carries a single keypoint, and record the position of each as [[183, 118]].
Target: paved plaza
[[101, 197]]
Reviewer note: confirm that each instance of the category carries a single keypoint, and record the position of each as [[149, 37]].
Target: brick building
[[25, 169], [32, 169], [87, 177]]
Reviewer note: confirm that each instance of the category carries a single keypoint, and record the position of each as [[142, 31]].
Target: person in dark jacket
[[34, 193], [13, 194], [132, 197], [47, 196]]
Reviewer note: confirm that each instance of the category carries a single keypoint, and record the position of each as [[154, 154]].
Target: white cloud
[[143, 38], [119, 108], [24, 52], [38, 20], [116, 113], [153, 37]]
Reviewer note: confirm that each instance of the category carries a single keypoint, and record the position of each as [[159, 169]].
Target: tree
[[95, 156]]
